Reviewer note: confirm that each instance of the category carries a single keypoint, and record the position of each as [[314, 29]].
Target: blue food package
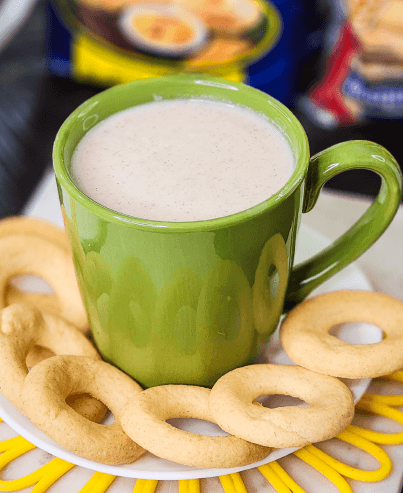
[[108, 42]]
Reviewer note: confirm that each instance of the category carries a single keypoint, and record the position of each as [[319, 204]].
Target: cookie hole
[[279, 400], [198, 426], [31, 284], [357, 333], [104, 418], [90, 407]]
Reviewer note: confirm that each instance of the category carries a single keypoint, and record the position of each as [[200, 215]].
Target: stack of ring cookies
[[37, 247], [141, 416], [22, 328], [50, 371]]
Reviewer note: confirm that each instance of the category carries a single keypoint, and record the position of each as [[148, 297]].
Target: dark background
[[33, 105]]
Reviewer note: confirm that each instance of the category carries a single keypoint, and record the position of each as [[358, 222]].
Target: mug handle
[[308, 275]]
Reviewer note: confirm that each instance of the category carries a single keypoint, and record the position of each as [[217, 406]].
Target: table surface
[[383, 266]]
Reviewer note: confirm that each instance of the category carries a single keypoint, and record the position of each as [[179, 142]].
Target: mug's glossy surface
[[187, 302]]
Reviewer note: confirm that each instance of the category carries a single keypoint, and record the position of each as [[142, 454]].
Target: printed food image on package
[[363, 76], [120, 40]]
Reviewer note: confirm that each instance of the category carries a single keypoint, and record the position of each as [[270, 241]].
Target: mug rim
[[63, 176]]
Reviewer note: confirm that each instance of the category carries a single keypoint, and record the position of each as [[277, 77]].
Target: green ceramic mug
[[187, 302]]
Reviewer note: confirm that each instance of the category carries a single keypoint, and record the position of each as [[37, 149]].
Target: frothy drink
[[182, 160]]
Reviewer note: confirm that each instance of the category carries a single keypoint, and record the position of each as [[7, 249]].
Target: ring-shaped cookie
[[28, 226], [51, 381], [21, 328], [35, 247], [150, 410], [232, 404], [306, 340]]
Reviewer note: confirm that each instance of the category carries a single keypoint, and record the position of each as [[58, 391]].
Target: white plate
[[151, 467]]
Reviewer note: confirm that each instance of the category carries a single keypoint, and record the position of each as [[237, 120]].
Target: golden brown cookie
[[306, 340], [45, 391], [21, 328], [233, 405], [144, 420], [35, 247]]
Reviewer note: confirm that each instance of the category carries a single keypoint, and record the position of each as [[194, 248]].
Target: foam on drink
[[182, 160]]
